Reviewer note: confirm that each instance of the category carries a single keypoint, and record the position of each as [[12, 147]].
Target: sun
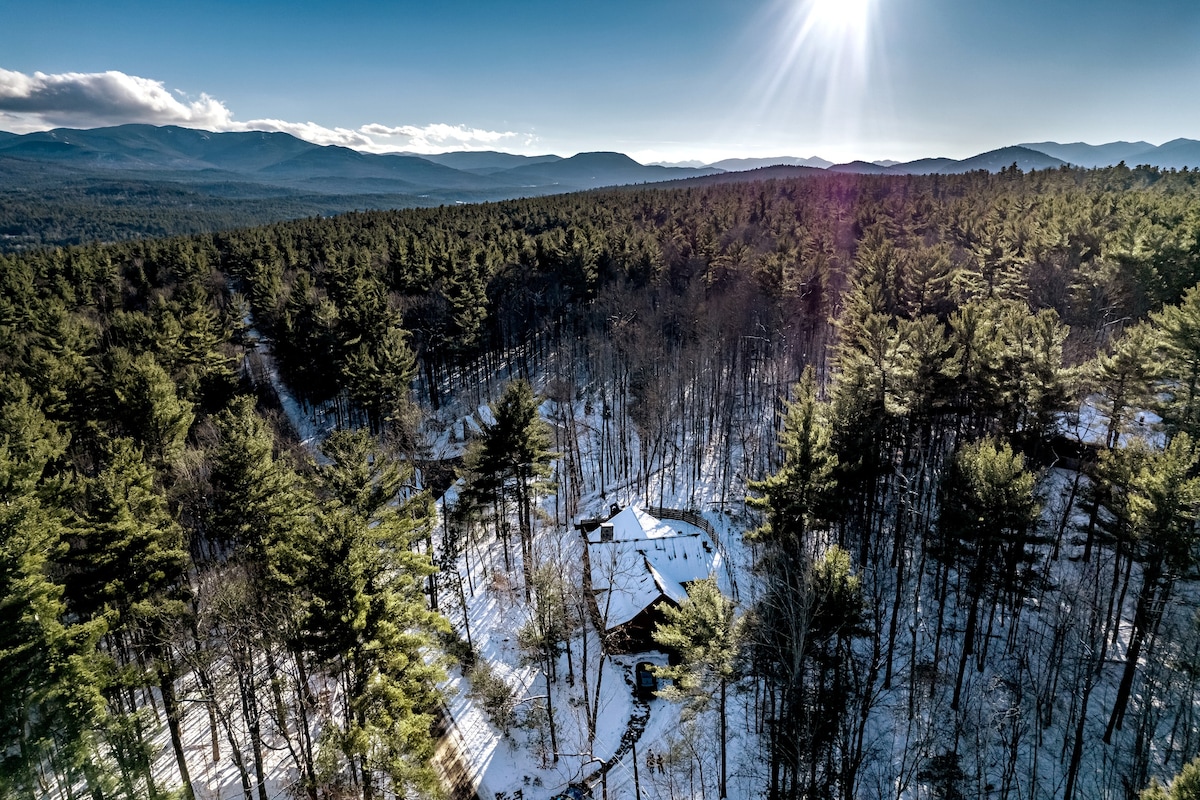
[[839, 16], [821, 69]]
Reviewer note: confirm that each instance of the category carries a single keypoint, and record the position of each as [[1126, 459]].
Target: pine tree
[[1126, 377], [367, 617], [149, 407], [512, 459], [988, 508], [1180, 340], [259, 508], [1184, 786], [260, 523], [707, 634], [50, 680], [131, 572], [801, 495], [1154, 499]]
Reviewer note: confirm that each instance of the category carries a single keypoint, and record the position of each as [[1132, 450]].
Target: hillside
[[69, 186], [60, 185]]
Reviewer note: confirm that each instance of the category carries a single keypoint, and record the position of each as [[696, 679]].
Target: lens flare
[[839, 17], [818, 71]]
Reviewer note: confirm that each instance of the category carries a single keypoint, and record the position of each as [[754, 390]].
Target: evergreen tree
[[1126, 377], [259, 508], [512, 459], [260, 522], [148, 406], [51, 704], [129, 571], [988, 509], [1184, 786], [1154, 499], [1180, 340], [707, 635], [801, 495], [367, 617]]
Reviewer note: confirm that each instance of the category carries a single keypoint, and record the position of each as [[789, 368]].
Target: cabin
[[636, 564]]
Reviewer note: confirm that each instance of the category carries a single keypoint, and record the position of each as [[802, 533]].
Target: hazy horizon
[[672, 81]]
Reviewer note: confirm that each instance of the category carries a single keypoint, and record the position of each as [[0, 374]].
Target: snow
[[656, 558], [485, 415], [652, 558], [1090, 424], [645, 560], [312, 426]]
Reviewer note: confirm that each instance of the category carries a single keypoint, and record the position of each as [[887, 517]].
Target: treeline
[[159, 536]]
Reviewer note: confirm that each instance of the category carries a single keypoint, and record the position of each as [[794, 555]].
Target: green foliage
[[366, 615], [800, 496], [954, 307], [706, 633], [131, 557], [258, 503], [518, 442], [1179, 328], [493, 694], [988, 496], [1126, 376], [543, 637], [1153, 496], [50, 683], [838, 609], [149, 406], [1184, 786], [511, 460]]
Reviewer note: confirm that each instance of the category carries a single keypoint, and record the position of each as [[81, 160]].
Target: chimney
[[606, 532]]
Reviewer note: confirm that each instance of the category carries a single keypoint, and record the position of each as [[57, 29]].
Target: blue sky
[[658, 79]]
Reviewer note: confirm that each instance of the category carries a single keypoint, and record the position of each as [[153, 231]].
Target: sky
[[660, 80]]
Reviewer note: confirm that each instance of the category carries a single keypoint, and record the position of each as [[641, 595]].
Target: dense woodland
[[38, 211], [884, 364]]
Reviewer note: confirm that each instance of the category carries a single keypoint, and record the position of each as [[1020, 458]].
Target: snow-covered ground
[[1014, 739]]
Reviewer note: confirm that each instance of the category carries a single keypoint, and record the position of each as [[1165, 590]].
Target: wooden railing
[[693, 518], [690, 517]]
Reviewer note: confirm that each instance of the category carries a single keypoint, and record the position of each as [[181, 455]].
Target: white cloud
[[84, 99], [96, 99], [309, 131], [438, 137]]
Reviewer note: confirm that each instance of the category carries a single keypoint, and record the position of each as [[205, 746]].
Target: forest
[[954, 417]]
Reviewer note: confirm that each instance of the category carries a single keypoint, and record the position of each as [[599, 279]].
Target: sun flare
[[821, 72], [838, 16]]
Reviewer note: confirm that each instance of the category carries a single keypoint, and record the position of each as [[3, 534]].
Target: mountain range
[[255, 177], [281, 160]]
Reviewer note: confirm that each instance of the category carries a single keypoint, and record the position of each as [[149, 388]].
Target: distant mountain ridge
[[282, 161], [65, 185], [742, 164], [1175, 154]]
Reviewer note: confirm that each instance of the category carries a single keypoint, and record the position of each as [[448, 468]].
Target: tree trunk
[[724, 739], [166, 684], [1147, 598]]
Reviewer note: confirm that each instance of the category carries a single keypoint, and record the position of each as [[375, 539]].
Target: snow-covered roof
[[645, 560]]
